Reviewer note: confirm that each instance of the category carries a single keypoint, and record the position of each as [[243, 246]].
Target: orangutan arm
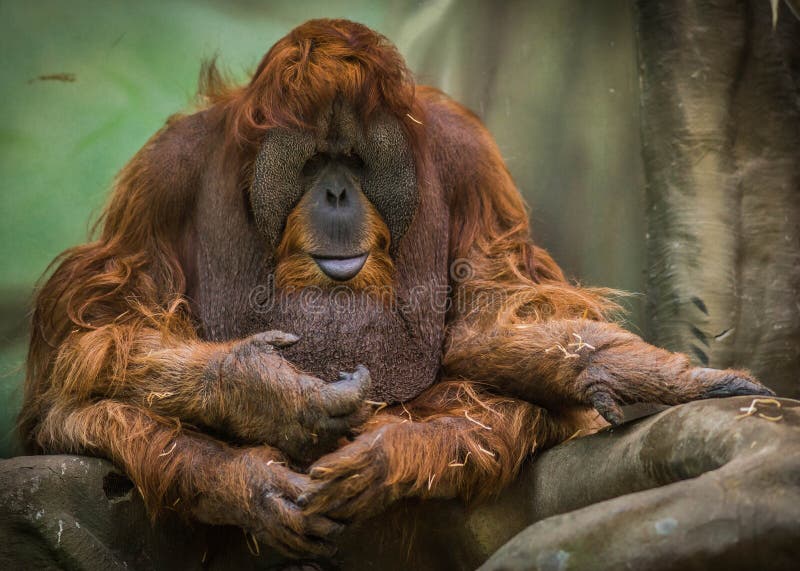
[[455, 440], [460, 439], [516, 323], [579, 362], [242, 389], [191, 473]]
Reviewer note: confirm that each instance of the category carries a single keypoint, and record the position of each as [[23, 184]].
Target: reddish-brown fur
[[117, 367]]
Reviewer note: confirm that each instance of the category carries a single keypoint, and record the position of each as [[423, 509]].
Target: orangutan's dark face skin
[[336, 214]]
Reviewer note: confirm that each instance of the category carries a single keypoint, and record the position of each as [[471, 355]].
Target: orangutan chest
[[340, 330]]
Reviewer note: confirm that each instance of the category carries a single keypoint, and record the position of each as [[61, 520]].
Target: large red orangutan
[[326, 217]]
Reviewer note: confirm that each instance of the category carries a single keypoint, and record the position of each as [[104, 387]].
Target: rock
[[696, 486]]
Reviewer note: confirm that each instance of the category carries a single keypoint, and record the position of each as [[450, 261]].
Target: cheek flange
[[390, 181], [277, 184]]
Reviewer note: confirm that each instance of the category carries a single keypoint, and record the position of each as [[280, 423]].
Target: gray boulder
[[704, 485]]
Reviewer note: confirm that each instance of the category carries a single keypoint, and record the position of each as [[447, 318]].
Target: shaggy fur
[[146, 348]]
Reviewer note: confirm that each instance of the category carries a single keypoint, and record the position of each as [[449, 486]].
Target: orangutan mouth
[[341, 269]]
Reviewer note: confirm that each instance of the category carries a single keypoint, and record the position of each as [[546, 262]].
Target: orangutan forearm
[[583, 362], [192, 473], [167, 464], [451, 441], [244, 389]]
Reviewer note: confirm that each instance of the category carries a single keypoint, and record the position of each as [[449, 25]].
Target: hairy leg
[[196, 475], [454, 440], [569, 362]]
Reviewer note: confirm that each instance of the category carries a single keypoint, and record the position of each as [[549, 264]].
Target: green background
[[555, 81]]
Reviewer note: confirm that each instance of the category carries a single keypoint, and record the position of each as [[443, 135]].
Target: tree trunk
[[720, 97]]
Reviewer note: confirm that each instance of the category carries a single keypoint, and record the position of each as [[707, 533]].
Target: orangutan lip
[[341, 269]]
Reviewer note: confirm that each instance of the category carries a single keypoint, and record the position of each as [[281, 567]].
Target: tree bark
[[720, 98]]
